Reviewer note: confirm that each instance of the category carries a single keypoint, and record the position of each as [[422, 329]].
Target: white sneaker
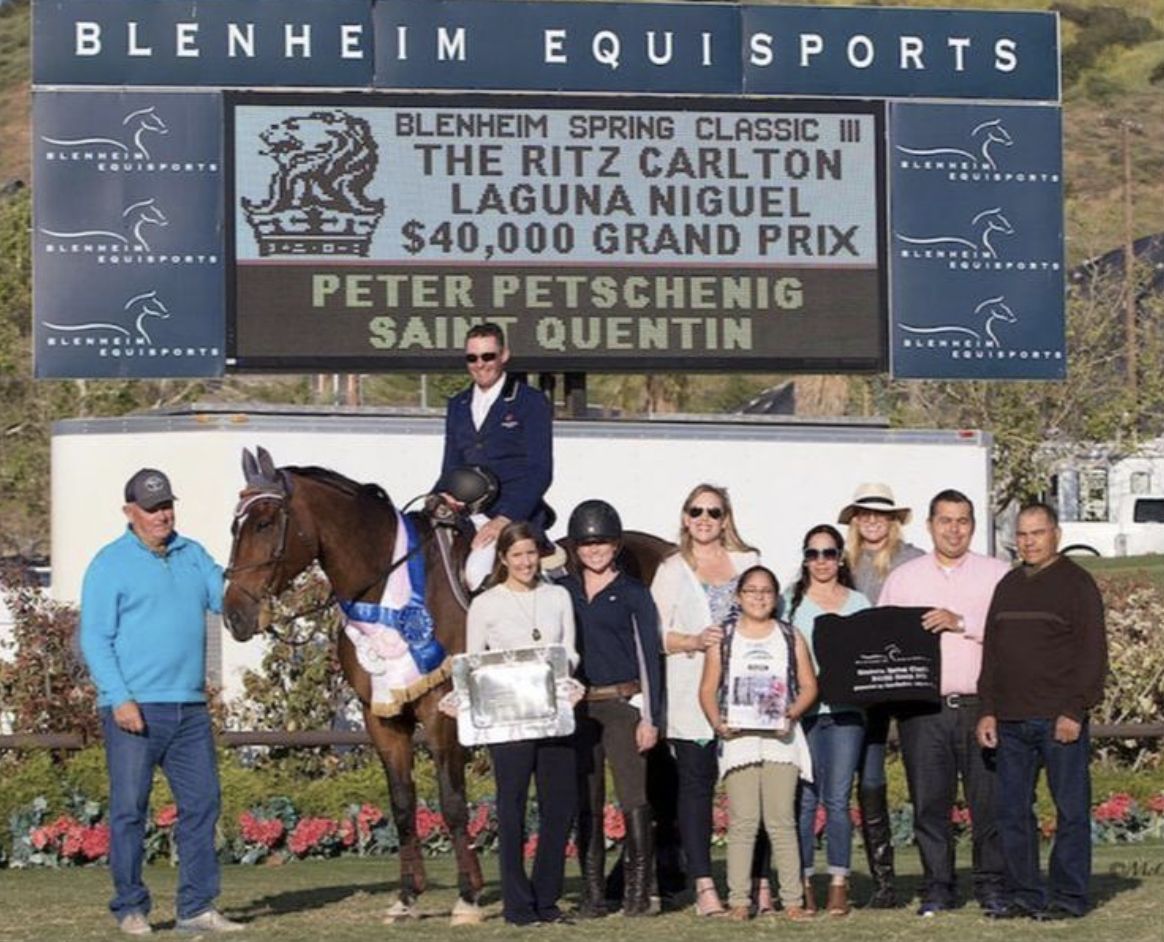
[[134, 924], [210, 921]]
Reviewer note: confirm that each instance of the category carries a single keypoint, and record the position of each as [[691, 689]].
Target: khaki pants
[[764, 792]]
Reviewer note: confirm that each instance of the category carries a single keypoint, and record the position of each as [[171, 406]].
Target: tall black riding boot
[[637, 862], [592, 857], [878, 837]]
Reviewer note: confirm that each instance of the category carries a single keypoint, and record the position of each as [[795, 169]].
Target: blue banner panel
[[580, 47], [203, 42], [900, 53], [976, 247], [495, 45], [128, 234]]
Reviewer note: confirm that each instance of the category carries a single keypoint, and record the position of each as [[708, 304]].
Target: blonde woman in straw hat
[[876, 546]]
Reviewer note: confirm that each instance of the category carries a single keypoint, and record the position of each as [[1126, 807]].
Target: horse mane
[[338, 482]]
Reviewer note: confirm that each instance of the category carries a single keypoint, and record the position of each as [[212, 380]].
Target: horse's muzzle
[[245, 616]]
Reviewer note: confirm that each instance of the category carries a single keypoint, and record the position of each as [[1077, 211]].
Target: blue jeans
[[1023, 747], [178, 738], [834, 739]]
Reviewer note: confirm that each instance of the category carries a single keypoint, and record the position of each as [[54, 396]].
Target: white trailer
[[783, 477], [1111, 503]]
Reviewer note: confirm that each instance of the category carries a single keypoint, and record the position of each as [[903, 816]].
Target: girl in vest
[[763, 668]]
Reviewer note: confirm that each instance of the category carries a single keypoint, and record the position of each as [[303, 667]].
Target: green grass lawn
[[1148, 568], [344, 900]]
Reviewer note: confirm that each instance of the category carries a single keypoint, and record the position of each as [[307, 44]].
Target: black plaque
[[880, 655]]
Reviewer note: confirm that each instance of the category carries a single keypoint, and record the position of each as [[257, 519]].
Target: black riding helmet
[[474, 486], [595, 521]]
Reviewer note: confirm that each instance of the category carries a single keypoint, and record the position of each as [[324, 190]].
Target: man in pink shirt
[[938, 743]]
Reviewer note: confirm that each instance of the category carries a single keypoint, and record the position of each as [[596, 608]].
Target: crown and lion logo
[[317, 202]]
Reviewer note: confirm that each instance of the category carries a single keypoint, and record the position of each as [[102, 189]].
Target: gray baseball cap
[[149, 488]]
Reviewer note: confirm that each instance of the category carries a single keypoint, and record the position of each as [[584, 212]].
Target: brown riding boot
[[838, 901], [638, 860], [592, 857], [809, 897], [877, 835]]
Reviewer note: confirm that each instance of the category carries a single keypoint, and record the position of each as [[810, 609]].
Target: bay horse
[[287, 518]]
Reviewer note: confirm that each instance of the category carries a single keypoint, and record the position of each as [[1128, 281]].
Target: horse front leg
[[393, 741], [449, 757]]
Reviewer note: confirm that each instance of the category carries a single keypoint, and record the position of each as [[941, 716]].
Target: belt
[[956, 701], [614, 691]]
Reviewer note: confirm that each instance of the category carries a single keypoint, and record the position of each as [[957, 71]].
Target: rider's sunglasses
[[716, 513], [830, 553], [483, 357]]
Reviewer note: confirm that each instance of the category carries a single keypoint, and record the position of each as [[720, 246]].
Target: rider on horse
[[505, 427]]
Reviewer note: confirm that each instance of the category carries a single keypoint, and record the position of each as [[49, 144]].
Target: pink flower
[[1156, 803], [428, 822], [347, 832], [95, 842], [259, 830], [531, 846], [167, 816], [613, 823], [1115, 809], [368, 818], [73, 840], [41, 838], [571, 850], [308, 834], [960, 817], [818, 822], [479, 822]]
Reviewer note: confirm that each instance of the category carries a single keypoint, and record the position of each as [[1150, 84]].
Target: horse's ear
[[267, 465], [250, 467]]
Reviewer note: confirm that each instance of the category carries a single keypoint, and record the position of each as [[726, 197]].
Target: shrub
[[1099, 28], [1135, 684], [45, 686]]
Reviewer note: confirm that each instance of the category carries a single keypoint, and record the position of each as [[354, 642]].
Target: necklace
[[529, 615]]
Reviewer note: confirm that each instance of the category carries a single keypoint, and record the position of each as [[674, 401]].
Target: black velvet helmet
[[595, 521], [474, 486]]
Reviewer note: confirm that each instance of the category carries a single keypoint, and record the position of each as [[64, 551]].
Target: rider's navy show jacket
[[515, 442]]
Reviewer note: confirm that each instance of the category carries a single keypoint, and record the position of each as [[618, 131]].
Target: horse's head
[[269, 548]]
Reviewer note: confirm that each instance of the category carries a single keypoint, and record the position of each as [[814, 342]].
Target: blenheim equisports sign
[[684, 186]]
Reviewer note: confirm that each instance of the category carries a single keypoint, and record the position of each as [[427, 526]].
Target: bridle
[[266, 593]]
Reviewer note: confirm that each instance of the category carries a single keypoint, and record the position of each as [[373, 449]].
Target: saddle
[[454, 532]]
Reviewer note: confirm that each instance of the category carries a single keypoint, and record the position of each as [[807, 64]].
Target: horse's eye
[[264, 525]]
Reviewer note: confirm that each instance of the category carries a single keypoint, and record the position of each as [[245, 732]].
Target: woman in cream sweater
[[695, 590]]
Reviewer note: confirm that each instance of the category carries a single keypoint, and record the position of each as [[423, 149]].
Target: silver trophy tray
[[509, 696]]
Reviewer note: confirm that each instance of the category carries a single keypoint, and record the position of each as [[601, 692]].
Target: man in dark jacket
[[506, 427], [1043, 667]]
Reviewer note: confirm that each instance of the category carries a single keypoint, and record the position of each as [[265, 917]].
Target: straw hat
[[878, 497]]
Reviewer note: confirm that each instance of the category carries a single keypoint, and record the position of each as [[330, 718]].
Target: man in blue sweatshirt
[[143, 633]]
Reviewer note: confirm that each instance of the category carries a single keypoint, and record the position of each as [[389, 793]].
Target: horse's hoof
[[466, 914], [400, 912]]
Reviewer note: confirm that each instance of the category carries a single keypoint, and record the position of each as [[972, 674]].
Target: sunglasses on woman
[[483, 357], [830, 553], [716, 513]]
